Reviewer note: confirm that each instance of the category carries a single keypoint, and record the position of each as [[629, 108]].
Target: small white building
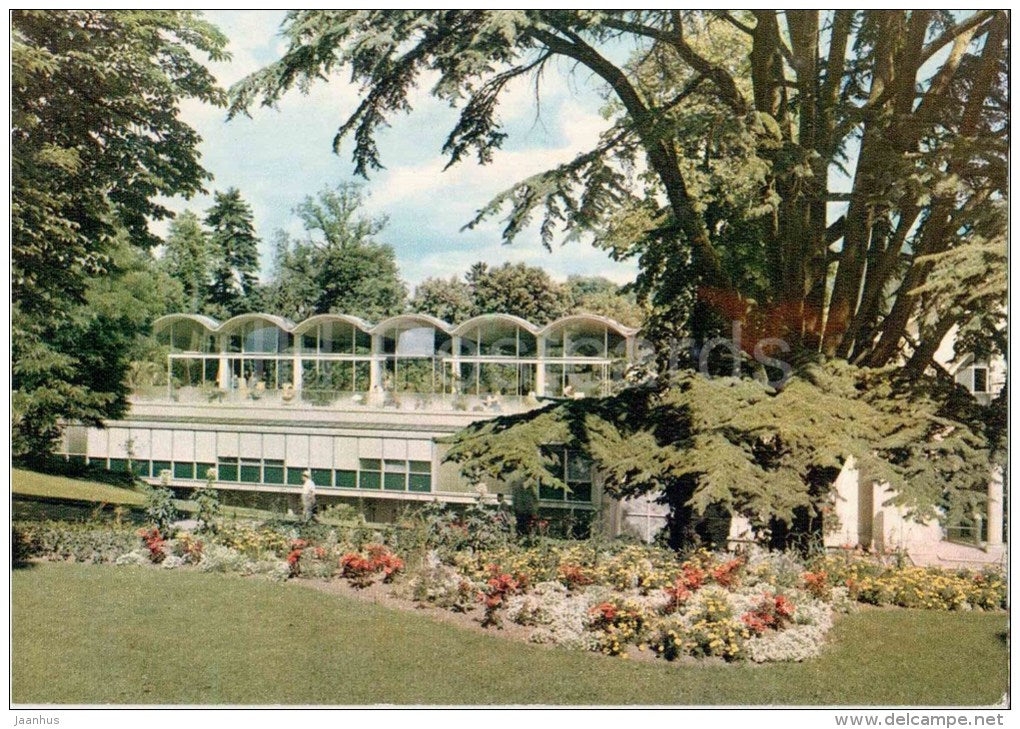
[[865, 519]]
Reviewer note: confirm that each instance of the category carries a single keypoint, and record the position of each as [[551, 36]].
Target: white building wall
[[345, 453], [184, 446], [847, 508], [297, 451], [205, 446], [142, 443], [119, 442], [320, 451], [97, 443]]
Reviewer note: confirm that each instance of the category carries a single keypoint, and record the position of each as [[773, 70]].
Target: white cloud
[[280, 155]]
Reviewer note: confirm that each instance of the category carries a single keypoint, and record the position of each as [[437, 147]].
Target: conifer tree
[[187, 259], [235, 255]]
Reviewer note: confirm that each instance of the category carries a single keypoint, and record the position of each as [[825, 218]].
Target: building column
[[454, 374], [995, 508], [540, 367], [375, 374], [223, 368]]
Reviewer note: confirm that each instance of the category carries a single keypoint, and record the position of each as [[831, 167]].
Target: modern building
[[258, 399]]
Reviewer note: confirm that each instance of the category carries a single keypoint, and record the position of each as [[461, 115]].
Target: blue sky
[[279, 156]]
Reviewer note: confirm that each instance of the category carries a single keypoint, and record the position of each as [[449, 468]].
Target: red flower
[[607, 610], [773, 612], [575, 576], [692, 577], [154, 542], [817, 583], [726, 573]]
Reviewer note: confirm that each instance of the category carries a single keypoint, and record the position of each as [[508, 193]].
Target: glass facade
[[334, 359]]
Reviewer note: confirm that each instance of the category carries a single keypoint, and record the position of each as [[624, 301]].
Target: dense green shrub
[[160, 509], [208, 502], [75, 541]]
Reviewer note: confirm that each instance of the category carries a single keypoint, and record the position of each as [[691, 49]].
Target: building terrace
[[414, 361]]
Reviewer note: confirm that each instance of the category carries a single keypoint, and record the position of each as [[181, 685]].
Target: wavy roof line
[[287, 325]]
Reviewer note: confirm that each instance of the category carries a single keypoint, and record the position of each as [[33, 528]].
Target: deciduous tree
[[96, 140], [339, 267]]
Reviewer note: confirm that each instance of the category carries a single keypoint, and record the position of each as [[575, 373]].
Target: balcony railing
[[339, 400]]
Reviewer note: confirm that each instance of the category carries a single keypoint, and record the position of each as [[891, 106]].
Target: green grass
[[98, 634], [62, 494], [30, 483]]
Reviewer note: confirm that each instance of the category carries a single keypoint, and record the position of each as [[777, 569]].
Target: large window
[[497, 356], [335, 337], [412, 355], [259, 337], [574, 469]]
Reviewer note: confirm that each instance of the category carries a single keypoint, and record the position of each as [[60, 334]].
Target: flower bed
[[724, 606], [609, 597], [870, 580]]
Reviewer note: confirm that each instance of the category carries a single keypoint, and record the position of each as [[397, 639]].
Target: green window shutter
[[322, 477], [202, 470], [272, 471], [370, 480], [295, 477], [227, 469], [141, 468], [346, 479], [395, 482], [420, 482], [371, 464], [184, 470], [159, 466], [420, 466]]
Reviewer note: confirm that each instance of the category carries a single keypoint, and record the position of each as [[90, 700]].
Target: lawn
[[39, 496], [100, 634], [44, 485]]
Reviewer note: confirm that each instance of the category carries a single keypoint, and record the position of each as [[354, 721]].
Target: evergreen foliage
[[235, 256], [187, 258], [715, 169], [716, 172], [699, 443]]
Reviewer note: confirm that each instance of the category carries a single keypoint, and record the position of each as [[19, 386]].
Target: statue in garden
[[307, 497]]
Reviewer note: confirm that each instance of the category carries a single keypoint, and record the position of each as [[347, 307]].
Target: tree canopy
[[235, 256], [188, 259], [729, 136], [339, 267], [96, 141], [449, 299], [516, 288], [735, 443]]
